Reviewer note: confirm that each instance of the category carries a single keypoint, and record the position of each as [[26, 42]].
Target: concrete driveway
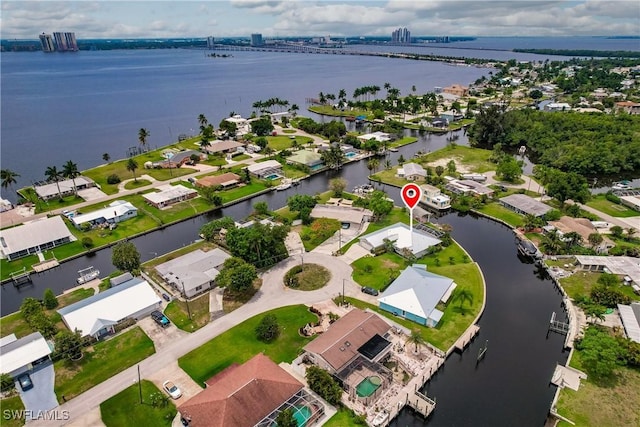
[[173, 372], [41, 397], [159, 335]]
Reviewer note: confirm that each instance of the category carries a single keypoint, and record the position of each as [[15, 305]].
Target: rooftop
[[33, 233], [526, 204], [269, 164], [341, 213], [215, 180], [620, 265], [113, 210], [16, 354], [401, 235], [193, 269], [168, 192], [66, 185], [630, 316]]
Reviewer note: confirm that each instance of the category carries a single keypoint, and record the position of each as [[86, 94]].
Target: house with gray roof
[[415, 294], [115, 212], [400, 236], [412, 172], [65, 186], [33, 237], [630, 316], [195, 272], [524, 205], [21, 355]]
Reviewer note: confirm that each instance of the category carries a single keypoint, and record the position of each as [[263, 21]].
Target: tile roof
[[340, 343], [241, 395]]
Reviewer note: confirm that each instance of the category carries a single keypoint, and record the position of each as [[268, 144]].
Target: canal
[[510, 386]]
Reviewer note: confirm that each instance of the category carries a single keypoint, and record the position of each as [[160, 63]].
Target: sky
[[25, 19]]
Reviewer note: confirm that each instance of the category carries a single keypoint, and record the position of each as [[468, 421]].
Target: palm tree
[[70, 170], [53, 174], [106, 157], [416, 339], [463, 295], [595, 239], [294, 109], [373, 164], [132, 165], [143, 134], [630, 232], [8, 178], [202, 120]]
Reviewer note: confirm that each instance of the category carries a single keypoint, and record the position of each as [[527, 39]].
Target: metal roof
[[526, 204], [630, 315], [341, 213], [168, 192], [66, 185], [113, 210], [621, 265], [32, 234], [21, 352], [193, 269]]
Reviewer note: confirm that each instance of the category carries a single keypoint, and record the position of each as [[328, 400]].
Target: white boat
[[380, 419], [394, 150], [285, 184], [87, 275], [621, 185]]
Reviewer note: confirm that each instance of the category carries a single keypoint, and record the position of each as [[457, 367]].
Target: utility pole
[[184, 294], [343, 291], [139, 384]]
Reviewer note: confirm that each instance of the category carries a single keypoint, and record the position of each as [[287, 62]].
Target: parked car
[[166, 297], [160, 318], [25, 382], [172, 389], [370, 291]]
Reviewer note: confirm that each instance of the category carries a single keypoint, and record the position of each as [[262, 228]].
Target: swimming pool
[[351, 154], [302, 415], [368, 386], [272, 177]]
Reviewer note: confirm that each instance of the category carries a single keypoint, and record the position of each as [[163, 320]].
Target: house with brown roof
[[226, 180], [352, 336], [251, 394], [456, 89], [628, 107]]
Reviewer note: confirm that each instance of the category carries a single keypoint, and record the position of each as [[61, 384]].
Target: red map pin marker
[[411, 194]]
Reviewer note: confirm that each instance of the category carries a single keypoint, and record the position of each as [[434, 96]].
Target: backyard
[[101, 361], [601, 203], [178, 313], [125, 408], [498, 211], [239, 344], [9, 405]]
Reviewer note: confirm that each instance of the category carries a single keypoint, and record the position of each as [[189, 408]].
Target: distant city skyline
[[281, 18]]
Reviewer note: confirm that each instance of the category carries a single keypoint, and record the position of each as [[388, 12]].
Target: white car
[[172, 389]]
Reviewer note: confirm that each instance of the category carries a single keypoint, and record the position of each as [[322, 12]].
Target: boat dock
[[466, 338], [20, 278]]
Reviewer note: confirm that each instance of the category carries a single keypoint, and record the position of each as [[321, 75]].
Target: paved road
[[272, 295]]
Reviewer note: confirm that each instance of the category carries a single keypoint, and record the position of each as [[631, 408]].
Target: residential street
[[272, 295]]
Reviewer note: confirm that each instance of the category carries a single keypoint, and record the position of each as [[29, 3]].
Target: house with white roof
[[270, 168], [415, 294], [630, 316], [21, 355], [412, 172], [169, 195], [399, 235], [99, 314], [378, 136], [66, 186], [33, 237], [195, 272], [115, 212]]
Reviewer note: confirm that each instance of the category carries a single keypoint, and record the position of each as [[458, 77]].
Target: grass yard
[[9, 405], [177, 312], [124, 409], [396, 215], [132, 185], [28, 193], [473, 159], [403, 141], [15, 323], [101, 361], [317, 232], [283, 142], [450, 262], [329, 110], [312, 277], [496, 210], [344, 417], [601, 203], [582, 282], [609, 405], [239, 344], [390, 176]]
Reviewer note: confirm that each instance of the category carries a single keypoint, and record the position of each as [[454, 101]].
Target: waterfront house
[[433, 197], [98, 315], [180, 158], [271, 169], [412, 172], [400, 236], [378, 136], [468, 187], [227, 146], [451, 116], [307, 158], [248, 395], [195, 272], [348, 339], [456, 89], [415, 294], [524, 205], [169, 195], [34, 236], [625, 267], [50, 190], [22, 355], [631, 201], [439, 122], [115, 212], [226, 180]]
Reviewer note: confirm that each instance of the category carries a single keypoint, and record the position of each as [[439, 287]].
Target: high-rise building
[[65, 42], [210, 42], [256, 40], [47, 43], [401, 35]]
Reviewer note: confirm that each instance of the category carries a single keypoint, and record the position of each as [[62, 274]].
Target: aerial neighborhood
[[268, 271]]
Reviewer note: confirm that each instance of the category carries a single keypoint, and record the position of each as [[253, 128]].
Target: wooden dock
[[45, 265], [466, 338]]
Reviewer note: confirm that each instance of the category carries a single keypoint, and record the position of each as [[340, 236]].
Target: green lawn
[[45, 206], [239, 344], [101, 361], [602, 405], [450, 262], [312, 277], [473, 159], [132, 185], [283, 142], [344, 417], [328, 110], [9, 405], [396, 215], [124, 409], [403, 141], [177, 312], [496, 210], [317, 232], [582, 282], [390, 176], [601, 203]]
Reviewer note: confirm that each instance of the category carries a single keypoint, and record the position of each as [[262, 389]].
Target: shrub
[[87, 242], [113, 179], [268, 328], [6, 383], [612, 198], [49, 299]]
